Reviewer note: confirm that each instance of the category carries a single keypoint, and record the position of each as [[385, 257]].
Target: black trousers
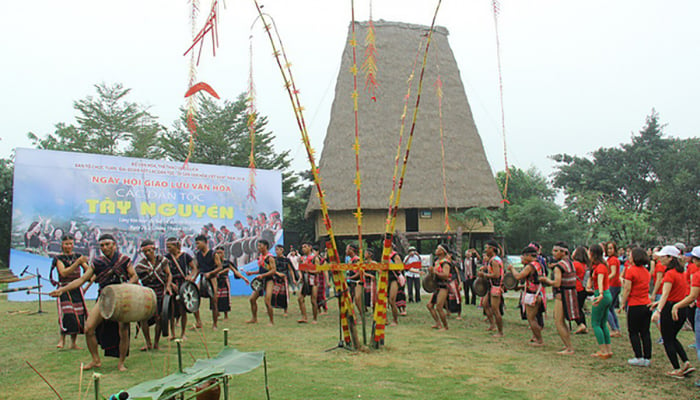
[[469, 287], [413, 288], [581, 297], [638, 320], [669, 332], [690, 314]]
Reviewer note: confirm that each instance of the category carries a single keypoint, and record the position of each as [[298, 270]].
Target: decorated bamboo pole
[[438, 89], [380, 317], [347, 312]]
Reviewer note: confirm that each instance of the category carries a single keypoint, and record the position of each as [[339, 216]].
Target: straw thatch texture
[[470, 181]]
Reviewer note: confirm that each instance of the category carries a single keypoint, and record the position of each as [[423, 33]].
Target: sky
[[577, 75]]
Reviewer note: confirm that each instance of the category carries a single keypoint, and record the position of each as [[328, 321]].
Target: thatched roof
[[470, 181]]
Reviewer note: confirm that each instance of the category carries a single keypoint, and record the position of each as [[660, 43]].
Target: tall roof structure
[[470, 181]]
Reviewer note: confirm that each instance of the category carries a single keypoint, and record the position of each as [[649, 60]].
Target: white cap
[[696, 252], [669, 251]]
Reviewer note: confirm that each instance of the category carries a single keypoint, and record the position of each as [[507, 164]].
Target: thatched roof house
[[470, 181]]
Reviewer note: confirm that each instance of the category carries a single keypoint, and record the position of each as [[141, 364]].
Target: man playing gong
[[182, 268], [209, 264], [154, 272], [110, 268]]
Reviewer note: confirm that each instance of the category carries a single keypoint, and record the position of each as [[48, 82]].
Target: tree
[[675, 201], [631, 192], [532, 214], [471, 219], [298, 228], [6, 173], [222, 138], [106, 124]]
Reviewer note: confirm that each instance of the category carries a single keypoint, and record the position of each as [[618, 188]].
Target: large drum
[[127, 302]]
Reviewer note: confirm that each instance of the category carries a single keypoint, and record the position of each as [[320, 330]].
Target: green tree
[[222, 138], [531, 213], [632, 193], [106, 124], [471, 219], [298, 228], [6, 173], [675, 200]]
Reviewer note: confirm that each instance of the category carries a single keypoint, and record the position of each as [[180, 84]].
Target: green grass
[[416, 363]]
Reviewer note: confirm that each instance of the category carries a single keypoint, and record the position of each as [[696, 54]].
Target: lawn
[[416, 363]]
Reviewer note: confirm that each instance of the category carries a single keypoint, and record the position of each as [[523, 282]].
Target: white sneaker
[[646, 362], [637, 362]]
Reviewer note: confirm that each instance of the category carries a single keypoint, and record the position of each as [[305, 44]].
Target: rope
[[496, 11]]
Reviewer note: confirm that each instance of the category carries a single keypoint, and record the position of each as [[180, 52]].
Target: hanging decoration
[[251, 122], [369, 66], [438, 88], [356, 146], [496, 11], [191, 100], [347, 312], [380, 320], [210, 26]]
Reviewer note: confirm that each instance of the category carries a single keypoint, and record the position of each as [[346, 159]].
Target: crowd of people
[[653, 286]]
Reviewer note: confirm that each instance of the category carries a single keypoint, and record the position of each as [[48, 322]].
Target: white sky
[[578, 75]]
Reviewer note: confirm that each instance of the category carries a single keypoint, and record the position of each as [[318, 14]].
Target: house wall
[[373, 223]]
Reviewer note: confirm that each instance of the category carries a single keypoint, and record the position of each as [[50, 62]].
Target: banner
[[86, 195]]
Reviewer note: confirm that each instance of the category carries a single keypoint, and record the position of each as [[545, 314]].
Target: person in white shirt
[[413, 275]]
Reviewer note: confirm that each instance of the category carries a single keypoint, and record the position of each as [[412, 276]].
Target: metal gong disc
[[189, 296]]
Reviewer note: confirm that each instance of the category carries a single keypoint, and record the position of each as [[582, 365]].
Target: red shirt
[[625, 266], [696, 283], [658, 268], [690, 271], [679, 286], [580, 274], [614, 265], [639, 293], [600, 269]]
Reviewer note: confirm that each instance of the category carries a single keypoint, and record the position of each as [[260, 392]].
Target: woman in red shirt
[[615, 287], [601, 302], [635, 295], [691, 298], [582, 264], [674, 290]]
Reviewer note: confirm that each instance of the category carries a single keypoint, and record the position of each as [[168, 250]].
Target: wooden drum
[[127, 302]]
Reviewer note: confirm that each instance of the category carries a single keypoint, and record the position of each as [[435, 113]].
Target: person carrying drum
[[443, 271], [154, 273], [564, 288], [182, 268], [209, 265], [266, 270], [534, 298], [110, 268], [493, 271], [309, 285]]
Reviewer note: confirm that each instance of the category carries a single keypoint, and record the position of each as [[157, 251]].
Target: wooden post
[[179, 354], [96, 380]]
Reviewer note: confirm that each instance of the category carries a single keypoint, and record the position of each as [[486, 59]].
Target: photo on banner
[[86, 195]]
